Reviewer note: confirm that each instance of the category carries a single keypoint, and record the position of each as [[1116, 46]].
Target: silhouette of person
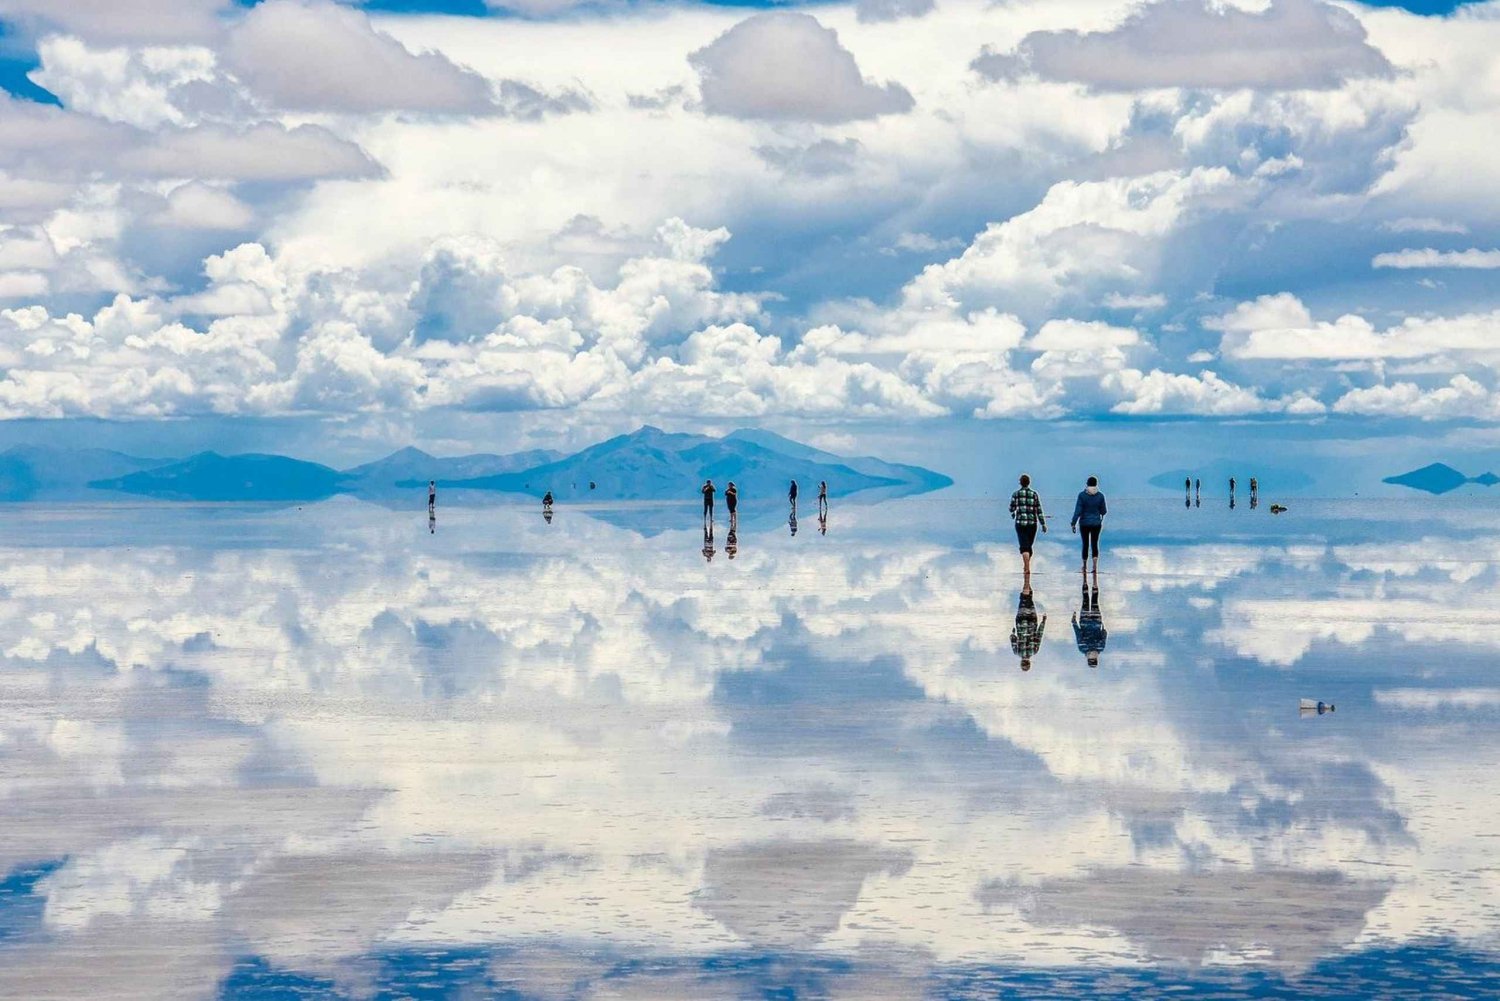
[[791, 522], [708, 499], [1231, 484], [1231, 502], [732, 543], [1088, 626], [1026, 635], [791, 495], [708, 541], [431, 495], [1088, 517], [732, 501], [547, 502], [1026, 511], [823, 496], [1187, 486], [1198, 493]]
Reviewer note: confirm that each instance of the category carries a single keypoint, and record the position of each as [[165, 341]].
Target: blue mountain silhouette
[[209, 476], [30, 472], [1439, 478], [652, 464]]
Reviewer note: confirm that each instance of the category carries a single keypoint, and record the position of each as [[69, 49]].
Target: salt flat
[[335, 751]]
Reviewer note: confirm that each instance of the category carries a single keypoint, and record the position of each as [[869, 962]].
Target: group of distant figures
[[1192, 491], [732, 502]]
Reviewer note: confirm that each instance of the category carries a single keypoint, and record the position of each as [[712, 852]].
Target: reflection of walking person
[[708, 499], [1088, 626], [1088, 519], [1026, 510], [1026, 636]]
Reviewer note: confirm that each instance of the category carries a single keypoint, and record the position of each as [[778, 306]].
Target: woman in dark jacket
[[1089, 513]]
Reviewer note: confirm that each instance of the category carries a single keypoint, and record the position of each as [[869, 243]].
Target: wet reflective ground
[[337, 752]]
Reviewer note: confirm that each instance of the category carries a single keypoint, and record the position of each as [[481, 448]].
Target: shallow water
[[333, 752]]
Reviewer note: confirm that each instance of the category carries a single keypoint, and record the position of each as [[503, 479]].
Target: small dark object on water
[[591, 484], [1277, 508]]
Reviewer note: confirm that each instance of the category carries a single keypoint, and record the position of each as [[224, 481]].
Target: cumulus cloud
[[1290, 44], [891, 10], [264, 152], [324, 57], [120, 20], [1081, 237], [1281, 327], [1461, 397], [1158, 392], [1472, 259], [787, 66]]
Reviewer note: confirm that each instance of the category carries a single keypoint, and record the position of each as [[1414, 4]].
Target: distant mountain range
[[1440, 478], [651, 464], [648, 464]]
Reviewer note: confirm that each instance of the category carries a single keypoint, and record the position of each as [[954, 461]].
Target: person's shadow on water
[[1088, 625], [1026, 635]]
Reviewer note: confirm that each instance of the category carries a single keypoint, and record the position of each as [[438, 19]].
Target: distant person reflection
[[708, 542], [1198, 493], [1088, 625], [791, 522], [1026, 636], [547, 516], [732, 542], [823, 523], [431, 521]]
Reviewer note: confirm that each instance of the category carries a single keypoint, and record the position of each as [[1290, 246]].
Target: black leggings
[[1090, 536]]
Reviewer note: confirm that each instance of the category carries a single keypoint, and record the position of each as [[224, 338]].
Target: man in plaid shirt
[[1026, 509]]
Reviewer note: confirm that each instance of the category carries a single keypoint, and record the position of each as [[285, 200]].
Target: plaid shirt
[[1026, 507], [1026, 637]]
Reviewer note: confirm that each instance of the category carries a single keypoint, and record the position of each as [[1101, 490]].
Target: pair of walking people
[[1088, 518]]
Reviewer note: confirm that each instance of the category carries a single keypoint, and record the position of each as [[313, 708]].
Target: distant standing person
[[732, 501], [823, 496], [547, 501], [431, 495], [1026, 511], [708, 499], [1088, 520], [1231, 484], [791, 495], [1198, 492]]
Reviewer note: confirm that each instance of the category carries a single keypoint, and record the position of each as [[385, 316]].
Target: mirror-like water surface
[[337, 752]]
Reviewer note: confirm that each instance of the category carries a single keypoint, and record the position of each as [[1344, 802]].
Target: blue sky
[[564, 220]]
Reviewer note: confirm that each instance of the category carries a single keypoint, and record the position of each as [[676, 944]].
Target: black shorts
[[1025, 536]]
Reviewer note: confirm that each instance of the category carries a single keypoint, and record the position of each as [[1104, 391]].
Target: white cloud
[[121, 20], [200, 206], [1076, 335], [1462, 397], [1408, 224], [321, 56], [1292, 44], [787, 66], [1281, 327], [264, 152], [1117, 300], [1472, 259], [1434, 699], [1158, 392]]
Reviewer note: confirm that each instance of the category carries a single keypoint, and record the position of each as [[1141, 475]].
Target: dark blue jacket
[[1090, 510]]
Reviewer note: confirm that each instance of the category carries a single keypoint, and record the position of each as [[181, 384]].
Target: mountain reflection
[[368, 740]]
